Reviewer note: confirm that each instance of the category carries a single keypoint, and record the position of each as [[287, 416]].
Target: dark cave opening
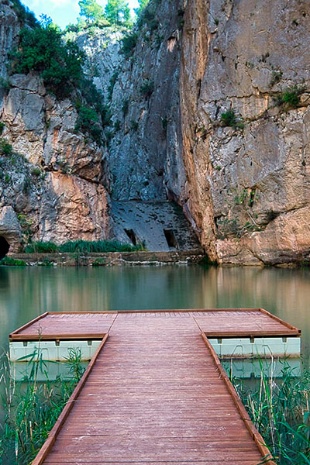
[[4, 247]]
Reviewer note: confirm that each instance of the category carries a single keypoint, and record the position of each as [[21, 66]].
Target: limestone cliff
[[248, 179], [52, 178], [209, 106]]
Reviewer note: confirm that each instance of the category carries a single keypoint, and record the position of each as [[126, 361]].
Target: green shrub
[[96, 247], [229, 118], [88, 122], [41, 247], [81, 246], [5, 147], [9, 261], [129, 43], [290, 97], [43, 50], [147, 88]]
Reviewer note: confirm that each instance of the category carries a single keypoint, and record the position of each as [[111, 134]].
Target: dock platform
[[154, 391]]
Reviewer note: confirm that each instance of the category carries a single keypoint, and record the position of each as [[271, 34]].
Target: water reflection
[[28, 292]]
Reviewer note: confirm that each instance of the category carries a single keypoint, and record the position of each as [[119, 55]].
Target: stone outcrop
[[248, 185], [10, 231]]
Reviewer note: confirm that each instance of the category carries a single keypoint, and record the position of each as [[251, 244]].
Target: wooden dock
[[155, 391]]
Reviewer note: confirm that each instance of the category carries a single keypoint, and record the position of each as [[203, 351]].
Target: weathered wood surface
[[55, 325], [214, 322], [155, 395]]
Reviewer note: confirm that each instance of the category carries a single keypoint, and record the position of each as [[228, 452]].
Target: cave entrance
[[170, 238], [131, 234], [4, 247]]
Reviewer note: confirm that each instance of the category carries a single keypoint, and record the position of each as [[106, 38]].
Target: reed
[[31, 408], [280, 410]]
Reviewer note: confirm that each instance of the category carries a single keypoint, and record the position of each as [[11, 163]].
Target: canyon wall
[[208, 106], [245, 121], [52, 177]]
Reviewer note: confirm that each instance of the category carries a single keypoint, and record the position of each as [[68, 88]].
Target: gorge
[[208, 108]]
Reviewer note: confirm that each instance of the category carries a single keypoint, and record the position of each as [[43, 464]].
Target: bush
[[81, 246], [97, 247], [5, 147], [147, 88], [230, 119], [290, 97], [9, 261], [129, 43], [41, 247], [88, 122], [42, 50]]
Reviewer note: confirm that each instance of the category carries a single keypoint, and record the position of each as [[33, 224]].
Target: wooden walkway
[[155, 392]]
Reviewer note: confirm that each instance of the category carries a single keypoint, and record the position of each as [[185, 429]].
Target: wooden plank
[[156, 394], [44, 451]]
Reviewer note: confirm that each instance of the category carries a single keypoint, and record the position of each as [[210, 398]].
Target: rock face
[[141, 86], [53, 175], [209, 106], [248, 185], [10, 231]]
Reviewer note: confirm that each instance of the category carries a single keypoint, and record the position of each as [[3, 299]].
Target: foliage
[[229, 118], [118, 12], [31, 408], [41, 247], [91, 10], [42, 50], [290, 98], [129, 43], [5, 147], [97, 247], [88, 122], [24, 15], [9, 261], [142, 5], [281, 412], [147, 88], [81, 247]]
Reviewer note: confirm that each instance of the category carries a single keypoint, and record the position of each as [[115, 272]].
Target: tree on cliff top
[[118, 12], [91, 10], [43, 50]]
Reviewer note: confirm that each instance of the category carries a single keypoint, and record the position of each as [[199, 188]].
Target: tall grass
[[280, 410], [81, 246], [31, 408]]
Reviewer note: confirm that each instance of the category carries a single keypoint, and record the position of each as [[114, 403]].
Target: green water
[[28, 292]]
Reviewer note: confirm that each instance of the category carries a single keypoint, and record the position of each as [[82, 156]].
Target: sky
[[62, 12]]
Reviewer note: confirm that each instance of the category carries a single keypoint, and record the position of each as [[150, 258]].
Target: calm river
[[28, 292]]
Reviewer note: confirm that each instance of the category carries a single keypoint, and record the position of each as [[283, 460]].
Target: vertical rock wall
[[248, 183], [145, 152], [53, 177]]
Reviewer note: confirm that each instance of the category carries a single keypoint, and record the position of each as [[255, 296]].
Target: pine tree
[[117, 12], [91, 10]]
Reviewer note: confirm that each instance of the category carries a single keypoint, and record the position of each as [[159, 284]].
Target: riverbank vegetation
[[280, 410], [81, 246], [31, 407]]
